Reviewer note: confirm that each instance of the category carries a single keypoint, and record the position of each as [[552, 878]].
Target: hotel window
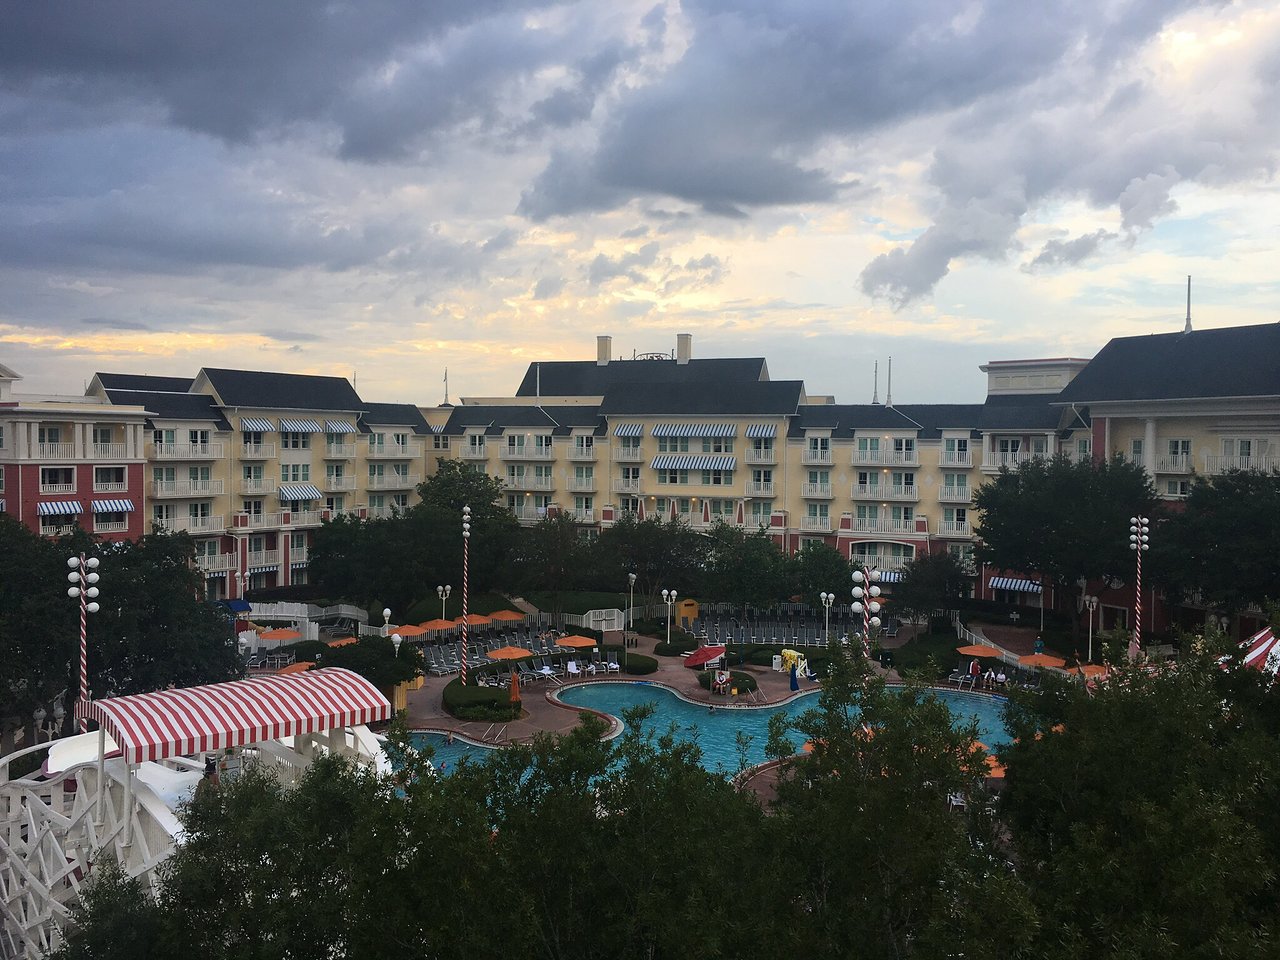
[[163, 436], [905, 447], [400, 471], [1039, 446], [717, 478], [476, 468], [580, 474], [762, 446], [297, 541], [720, 508], [51, 435], [904, 478], [163, 474], [629, 504], [295, 472], [1135, 450], [717, 445], [253, 473], [582, 504], [162, 513], [902, 514], [377, 502], [1, 479], [868, 478], [1, 437], [290, 440], [475, 443], [1084, 447], [632, 444], [334, 472], [1177, 488], [684, 506], [105, 478], [631, 474], [955, 482], [818, 511], [377, 441], [377, 471], [955, 515], [515, 474], [101, 434], [819, 445], [675, 476], [761, 476], [958, 447], [761, 511], [439, 441], [868, 511], [400, 501], [198, 511], [198, 438], [253, 438], [820, 478], [540, 503], [199, 477], [584, 444], [333, 504], [63, 478], [1009, 445], [1179, 448], [515, 444], [400, 440], [671, 444], [252, 507], [206, 548], [543, 473], [661, 505], [868, 445], [542, 443]]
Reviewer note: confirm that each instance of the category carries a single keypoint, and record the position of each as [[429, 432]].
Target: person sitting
[[1001, 679], [720, 682], [988, 678]]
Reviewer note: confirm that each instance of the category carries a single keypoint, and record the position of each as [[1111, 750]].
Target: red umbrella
[[703, 656], [1262, 651]]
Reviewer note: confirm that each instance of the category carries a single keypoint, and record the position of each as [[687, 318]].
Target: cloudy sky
[[387, 188]]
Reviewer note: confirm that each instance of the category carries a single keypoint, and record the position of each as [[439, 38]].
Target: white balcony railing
[[527, 452], [474, 453], [57, 488], [1176, 463], [582, 516], [626, 486], [339, 451], [1216, 465], [263, 521], [582, 484], [530, 514], [528, 482], [879, 525], [396, 451], [305, 518], [763, 488], [868, 491], [393, 481], [110, 526], [628, 454], [897, 492], [257, 451], [893, 458], [955, 528], [264, 558], [955, 494], [216, 563], [55, 451], [339, 484], [192, 524], [58, 529], [880, 562], [815, 456], [186, 488], [108, 451], [816, 524], [582, 453], [186, 451], [760, 456], [110, 486], [816, 490], [255, 485], [956, 458], [994, 461]]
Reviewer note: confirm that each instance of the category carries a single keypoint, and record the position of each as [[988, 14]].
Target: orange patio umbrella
[[473, 620], [577, 642], [1041, 660], [995, 768], [979, 650], [410, 630], [1092, 670], [509, 653], [437, 624], [300, 667], [282, 633], [506, 615], [343, 641]]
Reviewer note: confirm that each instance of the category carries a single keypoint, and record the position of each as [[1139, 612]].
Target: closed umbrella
[[515, 687], [795, 679]]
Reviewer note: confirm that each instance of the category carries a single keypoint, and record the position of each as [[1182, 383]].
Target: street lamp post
[[1091, 604], [84, 574], [386, 621], [827, 599], [443, 594], [1139, 530], [396, 640], [865, 592], [631, 601], [669, 598], [466, 564]]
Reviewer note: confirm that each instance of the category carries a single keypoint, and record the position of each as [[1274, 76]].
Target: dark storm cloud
[[110, 323], [628, 265]]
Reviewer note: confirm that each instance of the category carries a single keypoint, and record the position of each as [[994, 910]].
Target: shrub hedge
[[677, 646], [637, 664], [479, 703], [745, 682]]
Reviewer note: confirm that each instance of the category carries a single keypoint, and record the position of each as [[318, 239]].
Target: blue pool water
[[716, 731]]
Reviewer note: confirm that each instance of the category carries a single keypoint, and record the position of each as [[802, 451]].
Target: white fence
[[305, 612]]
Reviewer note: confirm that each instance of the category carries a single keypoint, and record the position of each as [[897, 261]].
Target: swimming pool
[[716, 731]]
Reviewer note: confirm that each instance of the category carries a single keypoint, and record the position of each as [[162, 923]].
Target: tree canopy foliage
[[929, 583]]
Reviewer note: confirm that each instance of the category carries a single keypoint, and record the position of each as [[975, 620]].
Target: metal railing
[[1175, 463], [956, 458], [581, 484], [897, 458], [216, 563], [395, 451], [257, 451], [192, 524], [955, 494], [528, 482], [626, 486], [759, 488], [340, 451], [816, 524], [883, 526], [527, 452], [955, 528], [628, 454], [751, 455], [186, 451], [816, 491], [108, 451], [582, 453], [815, 456], [186, 488], [393, 481]]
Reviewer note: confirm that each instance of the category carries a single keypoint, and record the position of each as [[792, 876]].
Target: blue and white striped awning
[[890, 576], [298, 491], [437, 427], [113, 506], [684, 461], [695, 430], [1, 506], [762, 431], [1014, 584], [299, 426], [338, 426], [58, 508], [629, 430], [271, 569], [256, 425]]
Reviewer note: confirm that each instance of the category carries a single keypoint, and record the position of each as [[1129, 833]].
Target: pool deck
[[425, 711]]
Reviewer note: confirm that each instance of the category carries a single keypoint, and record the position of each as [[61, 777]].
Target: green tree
[[1063, 520], [929, 583], [550, 556], [816, 568], [743, 568], [1223, 544], [660, 554]]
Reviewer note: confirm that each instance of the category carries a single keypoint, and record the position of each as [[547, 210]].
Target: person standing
[[975, 671]]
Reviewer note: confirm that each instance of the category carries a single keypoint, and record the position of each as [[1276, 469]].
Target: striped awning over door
[[338, 426], [1015, 584], [299, 426], [629, 430], [695, 430], [683, 461], [113, 506], [299, 491], [762, 431], [256, 425], [58, 508]]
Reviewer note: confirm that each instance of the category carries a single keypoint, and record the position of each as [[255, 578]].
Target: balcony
[[57, 488], [340, 451], [868, 491], [815, 524], [1214, 465], [257, 451], [529, 483], [628, 454], [397, 451], [257, 485], [186, 451], [586, 454], [528, 514], [382, 513], [887, 458], [305, 518], [110, 526], [760, 456], [879, 562], [109, 486], [956, 458], [55, 451], [909, 493], [335, 484], [299, 555], [186, 488], [264, 558], [192, 524], [59, 530], [955, 528], [216, 563], [581, 484], [263, 521], [811, 455], [474, 453], [528, 452], [763, 488], [393, 481], [883, 526], [994, 461], [108, 451], [816, 491], [1177, 463], [626, 486], [955, 494]]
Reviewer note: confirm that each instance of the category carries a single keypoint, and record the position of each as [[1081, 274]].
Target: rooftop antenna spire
[[446, 386], [875, 390], [888, 388], [1187, 328], [538, 382]]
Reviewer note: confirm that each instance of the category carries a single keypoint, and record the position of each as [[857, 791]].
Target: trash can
[[777, 663], [886, 658]]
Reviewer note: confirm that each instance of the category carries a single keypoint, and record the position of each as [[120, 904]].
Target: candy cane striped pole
[[1139, 528], [82, 577], [466, 562]]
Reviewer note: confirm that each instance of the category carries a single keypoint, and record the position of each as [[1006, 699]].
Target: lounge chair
[[612, 665], [572, 668]]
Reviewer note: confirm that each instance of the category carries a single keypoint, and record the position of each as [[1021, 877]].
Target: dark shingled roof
[[1229, 362], [747, 398], [174, 406], [284, 391], [139, 381], [395, 415], [936, 417], [1030, 411], [576, 378], [842, 419], [556, 420]]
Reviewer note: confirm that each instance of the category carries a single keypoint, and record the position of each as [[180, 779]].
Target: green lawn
[[428, 608], [578, 601]]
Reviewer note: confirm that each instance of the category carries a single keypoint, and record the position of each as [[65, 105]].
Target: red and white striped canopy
[[171, 723], [1262, 651]]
